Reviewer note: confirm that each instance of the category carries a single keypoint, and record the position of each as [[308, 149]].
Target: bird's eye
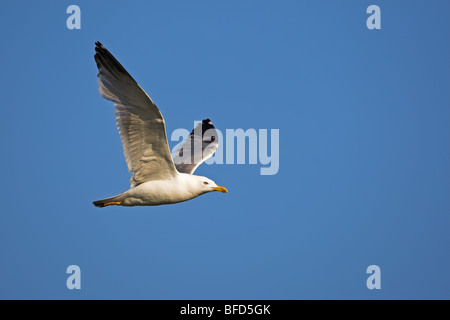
[[205, 183]]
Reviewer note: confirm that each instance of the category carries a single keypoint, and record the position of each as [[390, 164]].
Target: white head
[[207, 185]]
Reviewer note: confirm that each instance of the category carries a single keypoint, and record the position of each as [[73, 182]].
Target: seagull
[[157, 179]]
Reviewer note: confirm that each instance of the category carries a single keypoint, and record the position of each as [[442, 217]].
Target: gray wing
[[140, 123], [200, 145]]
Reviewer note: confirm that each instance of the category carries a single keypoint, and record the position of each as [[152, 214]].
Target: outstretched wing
[[200, 145], [140, 123]]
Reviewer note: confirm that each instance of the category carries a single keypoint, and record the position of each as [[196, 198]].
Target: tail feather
[[116, 200]]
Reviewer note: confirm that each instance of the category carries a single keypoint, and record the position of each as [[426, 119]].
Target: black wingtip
[[206, 125], [98, 204], [105, 59], [99, 47]]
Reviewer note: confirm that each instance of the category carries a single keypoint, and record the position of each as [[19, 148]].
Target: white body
[[152, 193]]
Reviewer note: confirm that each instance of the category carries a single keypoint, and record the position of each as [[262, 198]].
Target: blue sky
[[364, 120]]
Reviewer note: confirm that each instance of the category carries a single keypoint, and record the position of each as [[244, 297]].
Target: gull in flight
[[156, 177]]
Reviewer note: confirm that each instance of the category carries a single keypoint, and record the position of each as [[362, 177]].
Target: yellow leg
[[117, 203]]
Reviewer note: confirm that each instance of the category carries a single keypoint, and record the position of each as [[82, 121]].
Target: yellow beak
[[221, 189]]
